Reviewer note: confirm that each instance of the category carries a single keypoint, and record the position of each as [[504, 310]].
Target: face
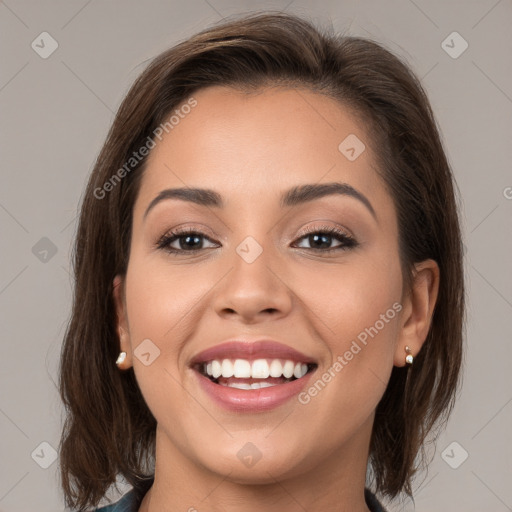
[[320, 276]]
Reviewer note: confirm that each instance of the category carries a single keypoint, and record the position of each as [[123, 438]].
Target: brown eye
[[321, 239], [184, 241]]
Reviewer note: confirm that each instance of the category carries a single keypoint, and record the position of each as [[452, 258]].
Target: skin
[[250, 148]]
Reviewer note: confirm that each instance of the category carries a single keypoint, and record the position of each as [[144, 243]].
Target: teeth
[[288, 369], [300, 370], [263, 384], [243, 385], [216, 369], [227, 368], [242, 369], [239, 385], [258, 369], [276, 368]]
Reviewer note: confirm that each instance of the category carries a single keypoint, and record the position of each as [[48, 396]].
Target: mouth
[[253, 374]]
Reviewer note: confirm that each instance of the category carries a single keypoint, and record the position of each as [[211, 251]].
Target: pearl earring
[[121, 358], [408, 358]]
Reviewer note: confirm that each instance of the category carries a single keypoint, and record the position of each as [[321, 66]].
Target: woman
[[269, 249]]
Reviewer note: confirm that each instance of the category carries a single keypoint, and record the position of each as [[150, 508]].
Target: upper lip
[[260, 349]]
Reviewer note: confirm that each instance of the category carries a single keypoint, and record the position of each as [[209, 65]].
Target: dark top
[[130, 502]]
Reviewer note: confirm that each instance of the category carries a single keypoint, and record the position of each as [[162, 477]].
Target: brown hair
[[109, 430]]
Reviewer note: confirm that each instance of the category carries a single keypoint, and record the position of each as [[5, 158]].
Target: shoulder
[[128, 503]]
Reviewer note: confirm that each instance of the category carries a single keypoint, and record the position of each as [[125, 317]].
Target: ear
[[123, 330], [418, 308]]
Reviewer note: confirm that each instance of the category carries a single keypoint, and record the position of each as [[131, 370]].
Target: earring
[[408, 358], [121, 358]]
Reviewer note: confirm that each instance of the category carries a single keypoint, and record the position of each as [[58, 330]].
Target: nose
[[254, 291]]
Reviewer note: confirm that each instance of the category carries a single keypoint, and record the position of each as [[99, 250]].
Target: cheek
[[159, 309], [356, 313], [347, 298], [160, 300], [357, 310]]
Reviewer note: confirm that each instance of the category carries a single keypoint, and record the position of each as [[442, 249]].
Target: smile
[[259, 373], [252, 376]]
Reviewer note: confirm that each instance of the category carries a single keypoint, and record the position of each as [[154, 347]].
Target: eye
[[191, 241], [320, 239], [187, 240]]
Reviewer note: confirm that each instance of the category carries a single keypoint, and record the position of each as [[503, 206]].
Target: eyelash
[[348, 242]]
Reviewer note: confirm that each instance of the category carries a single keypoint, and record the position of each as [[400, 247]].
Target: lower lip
[[252, 400]]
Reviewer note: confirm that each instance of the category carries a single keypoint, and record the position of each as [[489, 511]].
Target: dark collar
[[372, 502]]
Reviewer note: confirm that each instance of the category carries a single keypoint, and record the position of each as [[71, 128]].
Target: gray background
[[55, 116]]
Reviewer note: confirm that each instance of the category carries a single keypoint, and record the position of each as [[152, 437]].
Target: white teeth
[[260, 369], [243, 385], [216, 369], [257, 369], [288, 369], [276, 368], [242, 369], [300, 370], [227, 368], [239, 385]]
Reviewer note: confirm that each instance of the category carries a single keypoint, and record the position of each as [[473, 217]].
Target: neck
[[335, 482]]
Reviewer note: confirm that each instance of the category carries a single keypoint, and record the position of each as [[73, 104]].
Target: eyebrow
[[293, 197]]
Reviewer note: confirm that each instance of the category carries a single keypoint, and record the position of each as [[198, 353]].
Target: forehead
[[248, 145]]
